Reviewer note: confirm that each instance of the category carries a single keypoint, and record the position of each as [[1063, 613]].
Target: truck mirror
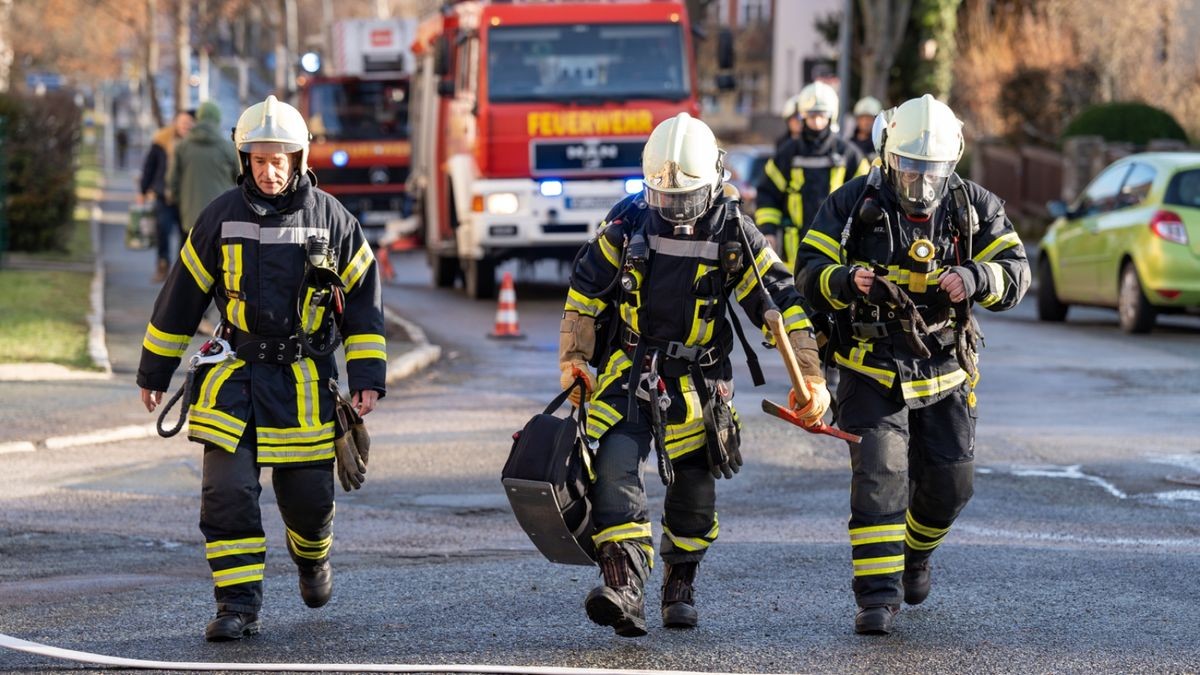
[[445, 88], [441, 56], [725, 49]]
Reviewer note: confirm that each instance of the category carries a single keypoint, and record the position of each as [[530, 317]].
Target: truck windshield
[[586, 62], [358, 110]]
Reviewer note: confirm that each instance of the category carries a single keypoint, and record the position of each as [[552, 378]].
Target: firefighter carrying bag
[[547, 477]]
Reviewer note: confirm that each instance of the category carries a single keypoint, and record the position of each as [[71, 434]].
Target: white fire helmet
[[867, 106], [270, 127], [682, 169], [818, 98], [922, 142]]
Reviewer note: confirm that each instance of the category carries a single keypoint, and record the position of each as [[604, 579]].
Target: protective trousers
[[912, 475], [231, 522], [619, 508]]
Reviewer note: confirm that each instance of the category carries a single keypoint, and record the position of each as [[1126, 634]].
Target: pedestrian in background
[[205, 165], [153, 186]]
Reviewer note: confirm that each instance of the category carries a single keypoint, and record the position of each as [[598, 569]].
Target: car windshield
[[359, 110], [586, 62], [1184, 189]]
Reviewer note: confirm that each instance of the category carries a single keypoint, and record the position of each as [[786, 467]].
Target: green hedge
[[42, 134], [1135, 123]]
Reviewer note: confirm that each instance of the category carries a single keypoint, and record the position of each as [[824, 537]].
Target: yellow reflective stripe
[[795, 207], [610, 251], [701, 329], [629, 314], [775, 175], [889, 564], [306, 434], [933, 386], [309, 320], [837, 176], [1000, 244], [238, 575], [996, 272], [578, 302], [623, 532], [825, 244], [864, 167], [880, 375], [679, 448], [795, 319], [217, 420], [304, 372], [365, 346], [292, 454], [220, 439], [235, 310], [826, 291], [763, 261], [767, 216], [601, 417], [678, 431], [357, 266], [925, 530], [308, 543], [165, 344], [875, 534], [191, 262], [219, 549], [694, 543], [617, 364], [919, 545], [213, 382]]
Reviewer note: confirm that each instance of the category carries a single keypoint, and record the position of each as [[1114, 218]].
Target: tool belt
[[261, 349], [678, 356], [935, 320]]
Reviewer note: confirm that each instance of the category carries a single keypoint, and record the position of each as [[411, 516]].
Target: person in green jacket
[[205, 165]]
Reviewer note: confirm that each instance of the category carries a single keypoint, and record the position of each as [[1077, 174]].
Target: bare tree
[[884, 24], [182, 32]]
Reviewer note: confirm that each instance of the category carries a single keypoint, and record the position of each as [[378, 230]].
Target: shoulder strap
[[733, 221], [964, 215], [874, 185]]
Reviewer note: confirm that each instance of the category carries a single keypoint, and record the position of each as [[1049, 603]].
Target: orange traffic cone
[[506, 311]]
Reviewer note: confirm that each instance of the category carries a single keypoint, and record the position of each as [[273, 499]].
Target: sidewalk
[[55, 407]]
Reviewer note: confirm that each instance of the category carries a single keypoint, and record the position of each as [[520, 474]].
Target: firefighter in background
[[273, 254], [658, 280], [804, 171], [865, 112], [921, 248], [792, 120]]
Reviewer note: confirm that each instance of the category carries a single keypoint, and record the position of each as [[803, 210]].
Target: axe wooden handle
[[774, 321]]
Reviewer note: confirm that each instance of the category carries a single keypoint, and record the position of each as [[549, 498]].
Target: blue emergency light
[[633, 186], [551, 188], [340, 158]]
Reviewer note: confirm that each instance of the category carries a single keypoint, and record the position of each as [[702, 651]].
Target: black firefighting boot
[[678, 607], [875, 620], [619, 602], [231, 625], [316, 583], [916, 576]]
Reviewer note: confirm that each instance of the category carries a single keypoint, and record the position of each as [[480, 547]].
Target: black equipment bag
[[547, 477]]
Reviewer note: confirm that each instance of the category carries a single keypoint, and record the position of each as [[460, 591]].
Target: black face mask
[[814, 136]]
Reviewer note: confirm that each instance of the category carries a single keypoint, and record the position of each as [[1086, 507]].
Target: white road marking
[[126, 433], [1073, 472], [17, 446], [1057, 537]]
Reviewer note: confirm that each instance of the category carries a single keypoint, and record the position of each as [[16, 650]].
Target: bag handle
[[562, 398]]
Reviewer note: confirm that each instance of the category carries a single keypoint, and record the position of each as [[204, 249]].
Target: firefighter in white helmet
[[648, 309], [293, 277], [865, 111], [900, 257], [804, 171], [792, 119]]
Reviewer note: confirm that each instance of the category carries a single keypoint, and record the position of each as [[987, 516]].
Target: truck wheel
[[1137, 315], [479, 278], [444, 268], [1049, 307]]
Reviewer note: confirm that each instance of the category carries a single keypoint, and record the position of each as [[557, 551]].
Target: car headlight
[[502, 203]]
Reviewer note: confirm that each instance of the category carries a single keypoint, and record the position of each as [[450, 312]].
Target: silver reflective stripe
[[291, 235], [803, 162], [685, 249], [237, 229]]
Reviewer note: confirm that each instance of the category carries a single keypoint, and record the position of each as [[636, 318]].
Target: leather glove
[[724, 438], [885, 292], [577, 369], [351, 446], [818, 401]]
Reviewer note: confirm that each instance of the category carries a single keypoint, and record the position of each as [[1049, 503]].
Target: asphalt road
[[1076, 555]]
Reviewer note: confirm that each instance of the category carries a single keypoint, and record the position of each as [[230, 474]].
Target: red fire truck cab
[[529, 120]]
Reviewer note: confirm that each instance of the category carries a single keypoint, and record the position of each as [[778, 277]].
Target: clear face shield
[[920, 184], [682, 209]]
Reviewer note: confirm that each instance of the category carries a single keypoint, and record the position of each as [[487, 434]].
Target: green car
[[1131, 241]]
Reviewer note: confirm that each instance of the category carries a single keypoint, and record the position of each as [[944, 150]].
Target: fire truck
[[357, 112], [529, 120]]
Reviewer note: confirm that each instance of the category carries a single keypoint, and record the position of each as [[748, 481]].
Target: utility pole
[[183, 56], [845, 53]]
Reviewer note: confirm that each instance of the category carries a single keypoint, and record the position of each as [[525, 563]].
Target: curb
[[422, 356]]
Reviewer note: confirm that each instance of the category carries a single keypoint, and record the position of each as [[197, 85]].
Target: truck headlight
[[502, 203]]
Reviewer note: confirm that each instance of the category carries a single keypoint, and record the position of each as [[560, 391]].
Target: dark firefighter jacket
[[682, 297], [797, 179], [247, 254], [995, 265]]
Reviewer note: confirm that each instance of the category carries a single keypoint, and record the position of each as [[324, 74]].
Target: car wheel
[[1049, 307], [1136, 313], [444, 269], [479, 279]]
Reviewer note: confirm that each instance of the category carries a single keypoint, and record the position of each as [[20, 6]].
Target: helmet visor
[[270, 147], [680, 207], [918, 183]]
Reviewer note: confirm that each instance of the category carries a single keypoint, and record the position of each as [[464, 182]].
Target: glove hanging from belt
[[966, 338], [885, 292], [351, 443]]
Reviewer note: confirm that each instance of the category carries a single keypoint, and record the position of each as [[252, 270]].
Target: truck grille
[[382, 175]]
